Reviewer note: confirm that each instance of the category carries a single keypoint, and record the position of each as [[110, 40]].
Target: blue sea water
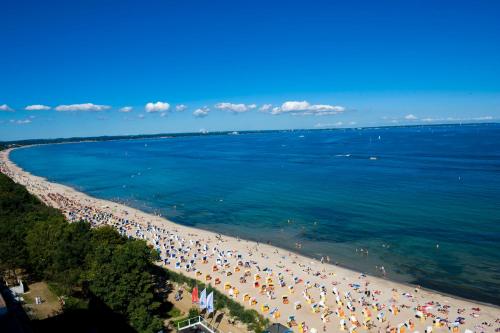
[[397, 192]]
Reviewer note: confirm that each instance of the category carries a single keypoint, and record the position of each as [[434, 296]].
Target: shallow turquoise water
[[427, 186]]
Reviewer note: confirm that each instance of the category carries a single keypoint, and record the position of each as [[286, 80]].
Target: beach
[[286, 287]]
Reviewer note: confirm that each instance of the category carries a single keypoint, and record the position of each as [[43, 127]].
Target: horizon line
[[220, 132]]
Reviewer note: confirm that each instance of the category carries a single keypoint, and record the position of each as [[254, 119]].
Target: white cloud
[[5, 107], [327, 125], [163, 114], [180, 107], [483, 118], [21, 121], [201, 112], [305, 108], [140, 116], [82, 107], [266, 107], [454, 119], [126, 109], [326, 108], [157, 107], [291, 106], [428, 120], [411, 117], [236, 108], [37, 107]]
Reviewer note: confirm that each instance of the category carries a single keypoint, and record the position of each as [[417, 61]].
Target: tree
[[121, 277]]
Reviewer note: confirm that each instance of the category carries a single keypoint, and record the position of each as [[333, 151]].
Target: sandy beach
[[308, 295]]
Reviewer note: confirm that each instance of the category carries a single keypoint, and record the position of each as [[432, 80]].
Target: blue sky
[[240, 65]]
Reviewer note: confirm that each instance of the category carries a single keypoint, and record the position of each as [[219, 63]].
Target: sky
[[103, 67]]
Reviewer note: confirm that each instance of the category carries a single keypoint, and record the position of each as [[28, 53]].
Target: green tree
[[121, 277]]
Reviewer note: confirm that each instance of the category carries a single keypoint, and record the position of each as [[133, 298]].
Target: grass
[[50, 303]]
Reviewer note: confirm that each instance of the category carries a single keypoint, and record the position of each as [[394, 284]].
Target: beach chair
[[342, 325]]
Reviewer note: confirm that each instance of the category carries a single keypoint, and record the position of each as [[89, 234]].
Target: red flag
[[194, 295]]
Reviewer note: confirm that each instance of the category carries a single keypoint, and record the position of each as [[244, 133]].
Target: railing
[[197, 321]]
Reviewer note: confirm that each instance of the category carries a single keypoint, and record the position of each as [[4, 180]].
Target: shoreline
[[276, 257]]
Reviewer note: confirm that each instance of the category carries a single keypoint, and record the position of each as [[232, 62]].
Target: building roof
[[277, 328]]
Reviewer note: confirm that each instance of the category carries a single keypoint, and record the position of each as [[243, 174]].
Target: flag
[[203, 299], [194, 295], [210, 303]]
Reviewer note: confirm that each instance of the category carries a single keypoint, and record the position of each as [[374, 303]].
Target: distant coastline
[[29, 142]]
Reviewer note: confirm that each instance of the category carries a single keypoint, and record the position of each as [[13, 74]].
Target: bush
[[193, 312]]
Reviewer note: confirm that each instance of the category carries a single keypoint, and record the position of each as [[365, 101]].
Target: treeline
[[77, 261], [118, 137]]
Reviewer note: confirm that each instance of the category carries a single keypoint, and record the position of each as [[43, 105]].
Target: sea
[[421, 201]]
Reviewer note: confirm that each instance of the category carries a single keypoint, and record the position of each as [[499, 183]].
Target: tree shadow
[[97, 318], [218, 319]]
